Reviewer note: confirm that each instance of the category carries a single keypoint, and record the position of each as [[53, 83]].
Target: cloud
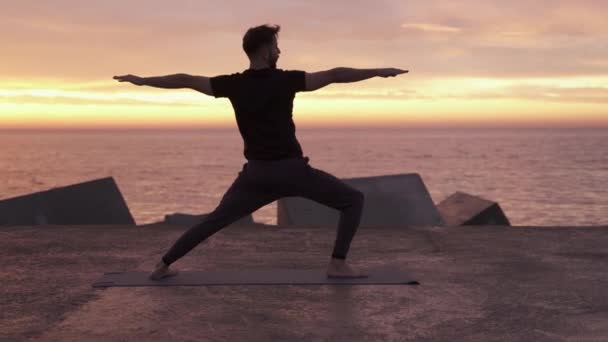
[[431, 28], [66, 96], [561, 94], [96, 40], [72, 100], [387, 94], [545, 90]]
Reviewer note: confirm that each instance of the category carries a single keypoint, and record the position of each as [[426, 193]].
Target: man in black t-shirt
[[262, 98]]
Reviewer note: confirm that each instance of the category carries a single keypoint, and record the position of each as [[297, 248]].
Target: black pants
[[262, 182]]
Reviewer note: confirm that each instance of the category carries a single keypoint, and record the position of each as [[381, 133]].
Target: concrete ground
[[476, 284]]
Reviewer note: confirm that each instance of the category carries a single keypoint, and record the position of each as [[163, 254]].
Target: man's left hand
[[130, 78]]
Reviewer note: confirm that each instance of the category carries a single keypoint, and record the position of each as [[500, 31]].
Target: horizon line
[[302, 128]]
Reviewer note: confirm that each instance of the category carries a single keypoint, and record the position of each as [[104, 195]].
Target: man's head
[[260, 44]]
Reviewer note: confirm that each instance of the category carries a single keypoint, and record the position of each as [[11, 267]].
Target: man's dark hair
[[259, 36]]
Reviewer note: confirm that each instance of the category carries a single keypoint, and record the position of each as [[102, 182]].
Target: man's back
[[263, 103]]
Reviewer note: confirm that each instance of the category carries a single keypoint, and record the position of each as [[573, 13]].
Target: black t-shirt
[[263, 102]]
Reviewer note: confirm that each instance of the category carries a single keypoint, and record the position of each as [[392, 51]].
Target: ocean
[[540, 177]]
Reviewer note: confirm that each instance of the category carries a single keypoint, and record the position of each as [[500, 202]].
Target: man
[[262, 97]]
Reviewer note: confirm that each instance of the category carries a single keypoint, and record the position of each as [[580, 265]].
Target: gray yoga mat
[[279, 276]]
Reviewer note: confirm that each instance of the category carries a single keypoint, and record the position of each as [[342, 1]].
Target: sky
[[472, 62]]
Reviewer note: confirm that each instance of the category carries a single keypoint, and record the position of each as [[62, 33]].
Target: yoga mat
[[279, 276]]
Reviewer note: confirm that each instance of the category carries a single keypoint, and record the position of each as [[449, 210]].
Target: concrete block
[[93, 202], [461, 209], [190, 220], [392, 200]]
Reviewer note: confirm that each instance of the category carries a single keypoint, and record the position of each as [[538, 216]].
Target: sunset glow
[[472, 63]]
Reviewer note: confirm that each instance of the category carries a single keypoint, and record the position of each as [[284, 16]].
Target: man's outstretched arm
[[175, 81], [316, 80]]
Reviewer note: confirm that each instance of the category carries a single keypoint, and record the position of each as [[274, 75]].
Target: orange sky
[[472, 63]]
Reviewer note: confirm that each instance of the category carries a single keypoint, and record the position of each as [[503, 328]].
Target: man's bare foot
[[162, 271], [338, 268]]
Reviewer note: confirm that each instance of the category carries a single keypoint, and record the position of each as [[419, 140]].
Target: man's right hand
[[391, 72], [130, 78]]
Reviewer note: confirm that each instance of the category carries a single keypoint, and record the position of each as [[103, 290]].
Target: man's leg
[[324, 188], [242, 198]]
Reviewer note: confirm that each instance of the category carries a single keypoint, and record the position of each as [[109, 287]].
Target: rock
[[391, 200], [94, 202], [461, 209]]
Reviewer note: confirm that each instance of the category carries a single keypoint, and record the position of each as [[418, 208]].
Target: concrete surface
[[182, 219], [478, 283]]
